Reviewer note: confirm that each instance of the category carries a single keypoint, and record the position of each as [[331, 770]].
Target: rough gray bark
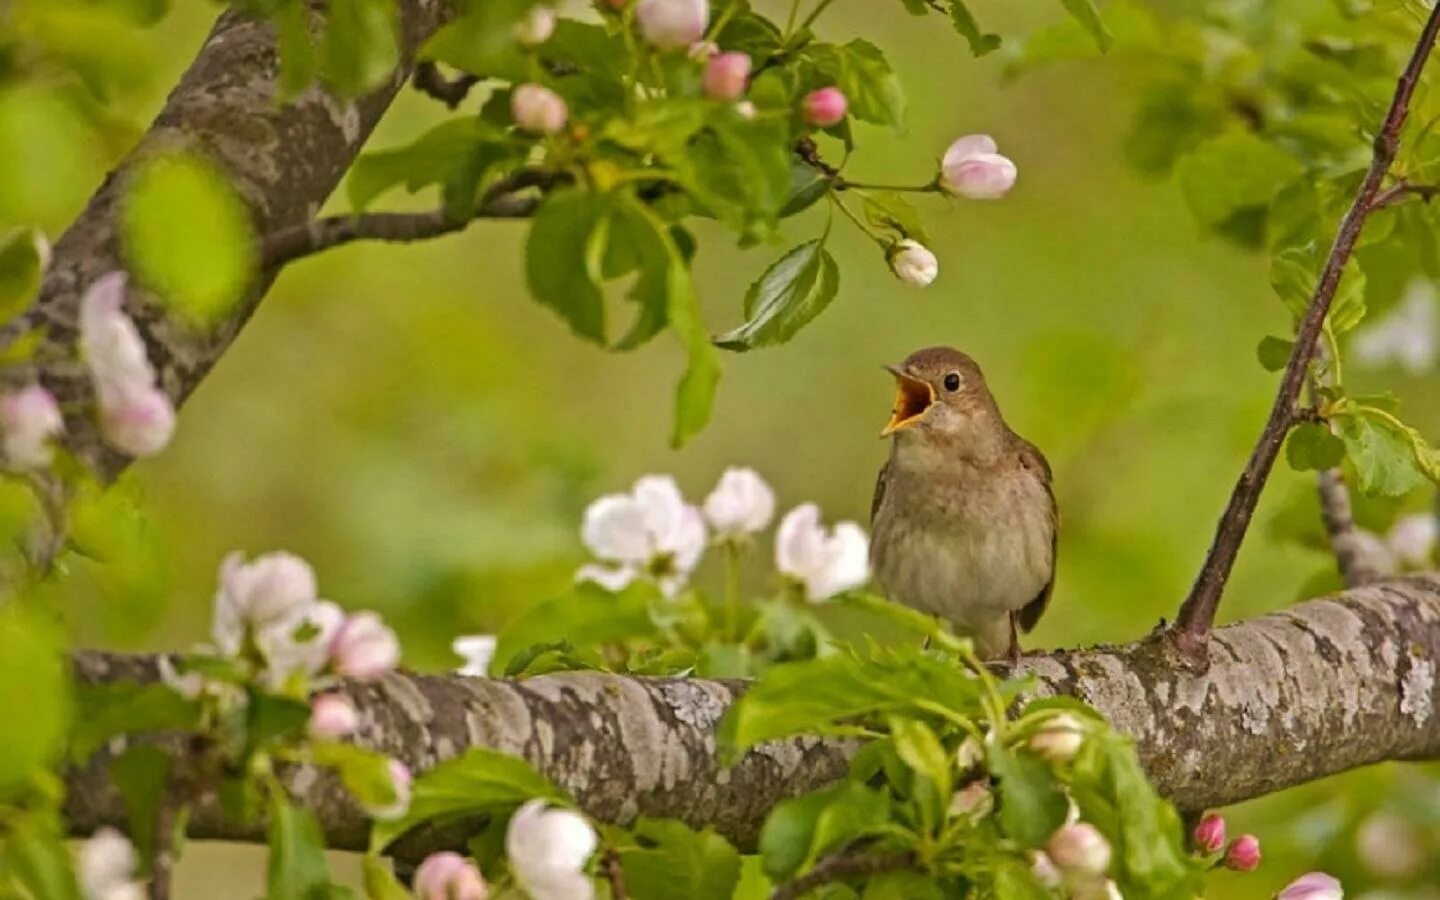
[[1291, 697], [285, 160]]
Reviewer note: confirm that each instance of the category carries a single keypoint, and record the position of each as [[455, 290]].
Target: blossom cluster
[[547, 849]]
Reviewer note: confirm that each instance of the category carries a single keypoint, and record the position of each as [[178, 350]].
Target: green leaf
[[676, 861], [35, 694], [981, 43], [585, 615], [19, 271], [481, 41], [904, 884], [1274, 352], [1231, 173], [891, 211], [922, 751], [271, 719], [562, 265], [187, 235], [297, 866], [1032, 805], [365, 773], [1311, 446], [1389, 457], [1013, 880], [297, 50], [433, 158], [1088, 15], [481, 782], [125, 707], [791, 293], [859, 69], [380, 883], [800, 830], [33, 853], [1294, 273], [141, 774], [359, 51]]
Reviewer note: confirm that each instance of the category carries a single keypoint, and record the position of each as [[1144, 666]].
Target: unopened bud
[[364, 647], [538, 109], [332, 717], [1059, 739], [973, 169], [671, 24], [1210, 834], [913, 263], [1244, 853], [824, 107], [536, 28], [726, 75], [1313, 886], [974, 801], [1079, 848]]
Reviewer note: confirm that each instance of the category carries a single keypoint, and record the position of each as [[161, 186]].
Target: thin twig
[[504, 200], [615, 874], [839, 867], [162, 861], [1399, 191], [428, 79], [1197, 615]]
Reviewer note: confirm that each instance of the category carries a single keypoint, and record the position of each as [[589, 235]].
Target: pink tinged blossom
[[825, 562], [364, 647], [1313, 886], [536, 27], [268, 590], [477, 650], [1079, 848], [538, 109], [332, 717], [109, 341], [1406, 335], [972, 168], [1244, 854], [449, 876], [913, 263], [1209, 835], [650, 532], [30, 418], [672, 24], [824, 107], [741, 504], [136, 418], [1059, 739], [726, 76], [300, 643], [400, 781], [547, 849]]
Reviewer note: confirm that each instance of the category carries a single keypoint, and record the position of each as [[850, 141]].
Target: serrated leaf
[[1032, 805], [1311, 447], [433, 158], [800, 830], [1088, 15], [1384, 455], [1274, 352], [922, 751], [1294, 273], [790, 294], [561, 266], [981, 42], [677, 861]]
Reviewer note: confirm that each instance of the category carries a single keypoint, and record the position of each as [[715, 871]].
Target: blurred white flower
[[136, 416], [107, 867], [1390, 846], [972, 168], [1060, 738], [1405, 335], [266, 591], [30, 419], [332, 717], [548, 849], [477, 650], [364, 647], [671, 24], [1376, 552], [1313, 886], [449, 876], [650, 531], [726, 76], [913, 263], [536, 27], [826, 562], [188, 685], [538, 109], [1412, 540], [1079, 848], [741, 504], [300, 643]]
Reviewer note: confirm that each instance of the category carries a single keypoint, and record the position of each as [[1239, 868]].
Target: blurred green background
[[410, 422]]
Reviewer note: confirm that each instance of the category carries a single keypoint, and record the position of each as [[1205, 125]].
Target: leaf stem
[[732, 591], [858, 222], [815, 14], [932, 187]]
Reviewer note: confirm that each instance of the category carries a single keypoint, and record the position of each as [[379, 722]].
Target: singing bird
[[964, 521]]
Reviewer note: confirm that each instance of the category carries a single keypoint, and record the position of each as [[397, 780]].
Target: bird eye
[[952, 381]]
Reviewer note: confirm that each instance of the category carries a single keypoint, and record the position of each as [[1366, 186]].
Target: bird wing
[[1032, 459], [879, 492]]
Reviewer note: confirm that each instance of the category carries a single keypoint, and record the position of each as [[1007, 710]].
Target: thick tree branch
[[1192, 627], [284, 159], [1351, 556], [1326, 686]]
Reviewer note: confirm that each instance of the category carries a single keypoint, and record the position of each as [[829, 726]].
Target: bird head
[[940, 394]]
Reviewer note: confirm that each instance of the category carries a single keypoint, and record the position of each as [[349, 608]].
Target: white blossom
[[1059, 739], [1079, 848], [107, 867], [547, 849], [364, 647], [913, 263], [1405, 335], [447, 875], [300, 643], [1313, 886], [110, 342], [30, 419], [536, 27], [1412, 540], [332, 717], [269, 590], [672, 24], [741, 504], [477, 650], [136, 417], [538, 109], [825, 562], [649, 532], [973, 168]]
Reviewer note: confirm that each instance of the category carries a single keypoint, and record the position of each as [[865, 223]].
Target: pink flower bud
[[671, 24], [449, 876], [913, 263], [824, 107], [30, 418], [136, 417], [725, 76], [538, 109], [332, 717], [1244, 854], [973, 169], [1210, 834], [364, 647], [1313, 886], [1079, 848], [536, 28]]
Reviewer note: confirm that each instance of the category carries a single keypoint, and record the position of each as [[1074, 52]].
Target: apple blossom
[[135, 417], [547, 849], [364, 647], [824, 107], [1313, 886], [112, 347], [672, 24], [1079, 848], [449, 876], [106, 868], [726, 75], [741, 504], [538, 109], [266, 591], [972, 168], [1412, 540], [477, 650], [1209, 835], [400, 781], [913, 263], [299, 643], [1390, 846], [1059, 739], [536, 27], [650, 532], [332, 716], [1244, 853], [1405, 335], [825, 562], [30, 418]]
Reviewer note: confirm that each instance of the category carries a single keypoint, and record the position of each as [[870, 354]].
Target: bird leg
[[1014, 652]]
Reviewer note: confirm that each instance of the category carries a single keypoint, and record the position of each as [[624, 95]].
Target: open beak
[[912, 398]]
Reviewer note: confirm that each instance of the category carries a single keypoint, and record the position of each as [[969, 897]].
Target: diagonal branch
[[1197, 615], [1318, 689]]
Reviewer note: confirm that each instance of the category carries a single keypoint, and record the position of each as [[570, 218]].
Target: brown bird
[[964, 519]]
